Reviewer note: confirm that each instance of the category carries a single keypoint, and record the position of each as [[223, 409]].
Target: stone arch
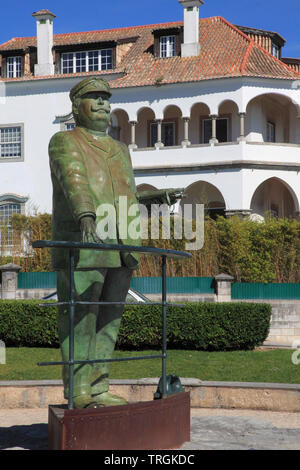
[[272, 117], [145, 116], [228, 103], [282, 94], [276, 197], [9, 204], [199, 112], [144, 187], [202, 192], [171, 107], [228, 119], [121, 131], [172, 131]]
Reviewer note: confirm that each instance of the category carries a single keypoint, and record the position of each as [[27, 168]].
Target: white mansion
[[201, 103]]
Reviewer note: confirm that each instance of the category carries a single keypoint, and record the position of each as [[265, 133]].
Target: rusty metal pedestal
[[153, 425]]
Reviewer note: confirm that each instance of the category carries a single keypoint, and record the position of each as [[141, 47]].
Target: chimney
[[44, 33], [191, 46]]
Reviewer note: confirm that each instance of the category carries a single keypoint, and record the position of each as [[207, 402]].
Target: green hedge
[[199, 326], [25, 323]]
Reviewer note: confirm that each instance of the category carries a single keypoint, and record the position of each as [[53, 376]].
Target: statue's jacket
[[87, 174]]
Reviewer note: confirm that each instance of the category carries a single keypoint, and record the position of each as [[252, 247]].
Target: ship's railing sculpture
[[72, 247]]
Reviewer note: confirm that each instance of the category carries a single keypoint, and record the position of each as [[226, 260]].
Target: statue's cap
[[88, 86]]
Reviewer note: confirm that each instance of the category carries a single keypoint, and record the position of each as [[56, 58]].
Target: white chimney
[[191, 46], [44, 33]]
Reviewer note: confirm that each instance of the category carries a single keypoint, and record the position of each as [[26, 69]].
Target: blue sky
[[88, 15]]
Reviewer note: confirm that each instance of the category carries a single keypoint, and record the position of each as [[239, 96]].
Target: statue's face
[[93, 110]]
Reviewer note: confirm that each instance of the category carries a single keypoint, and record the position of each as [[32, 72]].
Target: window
[[11, 142], [67, 122], [87, 61], [6, 211], [221, 130], [14, 67], [69, 126], [167, 134], [270, 131], [167, 46], [275, 50]]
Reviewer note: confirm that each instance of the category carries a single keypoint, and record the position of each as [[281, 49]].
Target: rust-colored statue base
[[152, 425]]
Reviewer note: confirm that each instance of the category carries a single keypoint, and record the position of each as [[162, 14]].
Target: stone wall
[[285, 320]]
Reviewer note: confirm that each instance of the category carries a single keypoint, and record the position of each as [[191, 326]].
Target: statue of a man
[[91, 171]]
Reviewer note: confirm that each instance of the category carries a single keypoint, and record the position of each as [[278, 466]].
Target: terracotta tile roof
[[43, 12], [225, 52]]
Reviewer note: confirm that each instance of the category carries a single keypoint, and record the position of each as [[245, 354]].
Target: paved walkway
[[211, 429]]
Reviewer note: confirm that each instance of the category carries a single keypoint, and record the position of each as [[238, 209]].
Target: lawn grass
[[273, 366]]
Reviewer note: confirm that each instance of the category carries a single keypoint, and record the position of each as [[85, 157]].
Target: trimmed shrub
[[25, 323], [199, 326]]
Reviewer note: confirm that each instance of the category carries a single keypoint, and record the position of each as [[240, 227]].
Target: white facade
[[254, 168], [236, 168]]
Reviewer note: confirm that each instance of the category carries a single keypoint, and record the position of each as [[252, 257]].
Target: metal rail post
[[71, 329], [164, 324]]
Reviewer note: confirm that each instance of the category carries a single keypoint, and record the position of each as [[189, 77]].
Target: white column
[[223, 287], [133, 144], [9, 280], [242, 137], [213, 139], [186, 142], [159, 143]]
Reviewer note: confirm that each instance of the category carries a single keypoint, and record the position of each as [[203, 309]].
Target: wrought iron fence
[[72, 247]]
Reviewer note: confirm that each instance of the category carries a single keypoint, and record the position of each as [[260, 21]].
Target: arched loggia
[[202, 192], [275, 197]]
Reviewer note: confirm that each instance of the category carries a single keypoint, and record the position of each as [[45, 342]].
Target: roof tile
[[225, 52]]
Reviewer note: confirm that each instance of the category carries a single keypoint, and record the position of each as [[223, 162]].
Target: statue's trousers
[[96, 326]]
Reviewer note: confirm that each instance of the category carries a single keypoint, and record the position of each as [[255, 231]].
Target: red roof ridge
[[6, 42], [16, 38], [246, 57], [275, 58], [232, 26], [261, 30], [255, 44], [120, 29], [179, 22]]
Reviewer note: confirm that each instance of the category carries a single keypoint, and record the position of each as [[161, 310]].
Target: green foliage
[[196, 326], [248, 250], [25, 323], [199, 326], [259, 252], [25, 230]]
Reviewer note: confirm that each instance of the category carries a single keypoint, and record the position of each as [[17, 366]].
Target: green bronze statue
[[89, 169]]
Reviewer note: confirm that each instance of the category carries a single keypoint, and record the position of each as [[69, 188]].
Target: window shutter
[[114, 57], [57, 64], [3, 71], [22, 65], [179, 41], [156, 46]]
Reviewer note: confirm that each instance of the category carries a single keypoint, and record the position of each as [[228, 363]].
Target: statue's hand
[[88, 230]]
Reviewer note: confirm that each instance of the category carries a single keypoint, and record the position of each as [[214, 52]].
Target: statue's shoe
[[106, 399], [82, 401]]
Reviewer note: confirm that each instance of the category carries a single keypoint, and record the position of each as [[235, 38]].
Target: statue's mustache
[[100, 108]]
